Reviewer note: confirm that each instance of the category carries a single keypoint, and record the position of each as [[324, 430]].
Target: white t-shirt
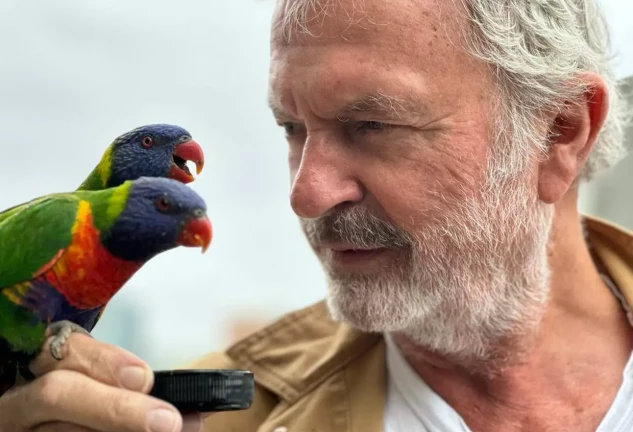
[[412, 406]]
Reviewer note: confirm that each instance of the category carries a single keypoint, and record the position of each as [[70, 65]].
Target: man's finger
[[106, 363], [192, 423], [62, 427], [53, 398]]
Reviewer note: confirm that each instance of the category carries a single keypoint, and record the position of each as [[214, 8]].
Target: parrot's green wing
[[34, 236], [5, 214]]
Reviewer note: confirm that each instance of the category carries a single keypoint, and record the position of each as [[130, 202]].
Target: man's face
[[391, 134]]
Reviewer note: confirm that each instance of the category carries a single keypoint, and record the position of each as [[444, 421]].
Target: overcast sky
[[74, 74]]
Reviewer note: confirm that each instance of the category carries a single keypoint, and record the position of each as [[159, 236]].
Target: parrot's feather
[[46, 267], [59, 271], [99, 176], [86, 274], [98, 317], [20, 328], [44, 228], [5, 214]]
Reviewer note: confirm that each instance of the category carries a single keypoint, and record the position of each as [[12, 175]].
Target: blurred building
[[122, 324], [242, 326]]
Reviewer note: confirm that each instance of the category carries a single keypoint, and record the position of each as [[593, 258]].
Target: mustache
[[356, 226]]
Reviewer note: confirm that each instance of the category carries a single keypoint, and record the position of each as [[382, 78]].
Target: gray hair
[[537, 50]]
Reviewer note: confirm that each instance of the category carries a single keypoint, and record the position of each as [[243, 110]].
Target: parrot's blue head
[[159, 214], [157, 150]]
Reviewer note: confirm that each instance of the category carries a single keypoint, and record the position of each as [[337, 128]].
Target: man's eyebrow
[[278, 113], [381, 104]]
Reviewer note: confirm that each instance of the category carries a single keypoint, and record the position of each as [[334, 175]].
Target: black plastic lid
[[205, 390]]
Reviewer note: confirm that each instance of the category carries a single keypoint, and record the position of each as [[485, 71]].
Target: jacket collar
[[298, 352]]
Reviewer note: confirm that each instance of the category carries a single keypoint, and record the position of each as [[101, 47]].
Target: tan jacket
[[314, 375]]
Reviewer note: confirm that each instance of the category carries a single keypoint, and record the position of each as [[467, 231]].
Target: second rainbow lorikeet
[[156, 150]]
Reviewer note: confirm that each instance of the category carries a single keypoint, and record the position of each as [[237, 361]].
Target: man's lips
[[345, 257], [345, 247]]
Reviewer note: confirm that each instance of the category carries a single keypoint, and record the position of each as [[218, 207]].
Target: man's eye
[[371, 125], [290, 128]]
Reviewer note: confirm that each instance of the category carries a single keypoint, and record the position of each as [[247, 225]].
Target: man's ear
[[573, 132]]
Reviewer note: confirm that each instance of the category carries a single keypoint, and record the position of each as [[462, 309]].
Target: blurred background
[[74, 74]]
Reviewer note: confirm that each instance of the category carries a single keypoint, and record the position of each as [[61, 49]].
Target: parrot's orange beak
[[184, 152], [197, 232]]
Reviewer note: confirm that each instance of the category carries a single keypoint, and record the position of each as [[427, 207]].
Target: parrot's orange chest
[[85, 273]]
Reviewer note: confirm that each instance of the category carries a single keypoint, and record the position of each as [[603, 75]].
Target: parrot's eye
[[147, 141], [163, 203]]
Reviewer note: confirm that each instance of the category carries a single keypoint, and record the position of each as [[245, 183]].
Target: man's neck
[[569, 375]]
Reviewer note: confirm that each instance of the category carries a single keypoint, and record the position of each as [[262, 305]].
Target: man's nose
[[323, 180]]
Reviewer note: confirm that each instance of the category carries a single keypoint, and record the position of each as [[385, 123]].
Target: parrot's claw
[[61, 331]]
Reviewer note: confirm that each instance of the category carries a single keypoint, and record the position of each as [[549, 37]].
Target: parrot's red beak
[[197, 232], [184, 152]]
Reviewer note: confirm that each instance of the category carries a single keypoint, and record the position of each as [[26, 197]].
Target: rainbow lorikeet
[[157, 150], [64, 256]]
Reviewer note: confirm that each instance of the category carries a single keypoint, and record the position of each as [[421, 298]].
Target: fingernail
[[134, 377], [191, 423], [162, 420]]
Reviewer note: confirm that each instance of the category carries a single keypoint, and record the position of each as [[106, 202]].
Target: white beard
[[473, 278]]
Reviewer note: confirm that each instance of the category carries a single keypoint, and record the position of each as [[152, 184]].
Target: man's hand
[[96, 387]]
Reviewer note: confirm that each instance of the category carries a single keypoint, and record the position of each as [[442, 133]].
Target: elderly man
[[435, 152]]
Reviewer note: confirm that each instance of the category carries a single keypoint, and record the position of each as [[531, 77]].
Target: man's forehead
[[310, 21], [390, 65]]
